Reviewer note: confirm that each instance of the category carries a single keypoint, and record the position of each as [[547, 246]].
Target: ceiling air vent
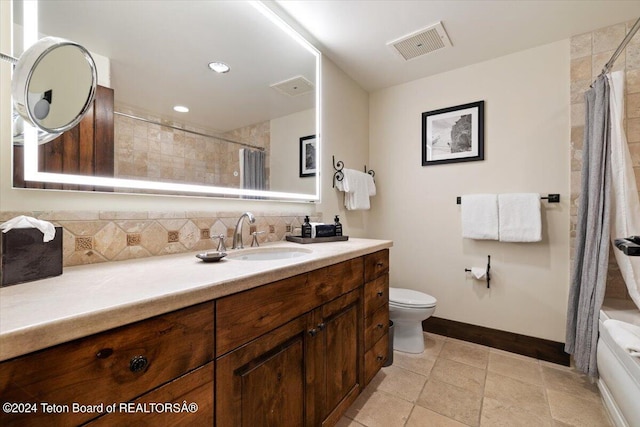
[[421, 42], [294, 86]]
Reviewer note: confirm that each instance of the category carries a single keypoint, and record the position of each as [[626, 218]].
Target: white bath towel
[[479, 214], [626, 335], [358, 187], [519, 216]]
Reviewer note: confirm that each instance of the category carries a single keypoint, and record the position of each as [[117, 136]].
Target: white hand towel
[[358, 187], [626, 335], [519, 215], [479, 214]]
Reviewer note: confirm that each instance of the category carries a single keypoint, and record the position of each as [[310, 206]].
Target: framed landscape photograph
[[454, 134], [308, 156]]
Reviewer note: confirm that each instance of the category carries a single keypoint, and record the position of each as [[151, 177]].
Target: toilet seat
[[408, 298]]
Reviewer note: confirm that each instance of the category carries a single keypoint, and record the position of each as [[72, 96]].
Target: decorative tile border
[[91, 236]]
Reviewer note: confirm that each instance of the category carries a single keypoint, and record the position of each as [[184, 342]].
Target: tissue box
[[24, 257]]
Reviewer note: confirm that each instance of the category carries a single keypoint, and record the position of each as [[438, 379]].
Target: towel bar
[[338, 175], [551, 198]]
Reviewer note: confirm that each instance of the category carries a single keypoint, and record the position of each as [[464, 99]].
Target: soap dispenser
[[306, 228], [337, 225]]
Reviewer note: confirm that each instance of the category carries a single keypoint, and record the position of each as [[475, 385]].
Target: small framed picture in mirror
[[308, 156]]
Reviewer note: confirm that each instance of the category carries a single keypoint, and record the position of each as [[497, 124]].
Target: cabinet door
[[267, 381], [342, 356]]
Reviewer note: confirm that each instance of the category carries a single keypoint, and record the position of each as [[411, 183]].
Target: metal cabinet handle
[[380, 326], [380, 293], [313, 332], [379, 357], [321, 326], [138, 364], [379, 264]]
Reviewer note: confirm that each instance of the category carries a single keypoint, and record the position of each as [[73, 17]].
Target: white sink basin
[[268, 254]]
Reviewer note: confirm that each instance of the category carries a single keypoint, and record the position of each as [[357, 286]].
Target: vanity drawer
[[113, 366], [335, 280], [376, 264], [376, 326], [194, 387], [243, 317], [376, 294], [375, 357]]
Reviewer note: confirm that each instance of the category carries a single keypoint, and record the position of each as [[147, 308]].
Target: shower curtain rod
[[623, 44], [153, 122]]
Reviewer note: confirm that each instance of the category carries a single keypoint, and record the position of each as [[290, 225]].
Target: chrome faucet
[[237, 234]]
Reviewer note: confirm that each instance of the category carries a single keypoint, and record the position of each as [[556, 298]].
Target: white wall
[[285, 152], [341, 97], [526, 150], [345, 138]]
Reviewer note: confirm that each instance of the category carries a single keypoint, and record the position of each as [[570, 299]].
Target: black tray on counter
[[306, 240]]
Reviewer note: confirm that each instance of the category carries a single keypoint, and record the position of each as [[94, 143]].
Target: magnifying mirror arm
[[8, 58]]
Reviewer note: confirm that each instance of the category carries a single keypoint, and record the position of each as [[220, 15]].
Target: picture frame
[[453, 134], [308, 164]]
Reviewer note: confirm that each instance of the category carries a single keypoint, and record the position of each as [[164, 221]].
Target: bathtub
[[619, 381]]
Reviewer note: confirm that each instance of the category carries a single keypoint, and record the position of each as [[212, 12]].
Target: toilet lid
[[411, 298]]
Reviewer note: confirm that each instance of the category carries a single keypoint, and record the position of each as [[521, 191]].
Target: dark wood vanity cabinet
[[339, 356], [194, 387], [376, 312], [308, 369], [265, 382], [295, 352], [112, 367]]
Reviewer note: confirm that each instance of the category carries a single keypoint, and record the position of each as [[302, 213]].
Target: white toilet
[[407, 310]]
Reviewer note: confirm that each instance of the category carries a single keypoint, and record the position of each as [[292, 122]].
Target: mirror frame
[[31, 172]]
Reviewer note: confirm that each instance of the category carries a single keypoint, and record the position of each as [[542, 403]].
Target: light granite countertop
[[89, 299]]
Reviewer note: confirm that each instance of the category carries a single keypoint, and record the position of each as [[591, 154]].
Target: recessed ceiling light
[[181, 109], [219, 67]]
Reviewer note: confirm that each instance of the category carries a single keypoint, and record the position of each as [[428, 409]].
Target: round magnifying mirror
[[54, 83]]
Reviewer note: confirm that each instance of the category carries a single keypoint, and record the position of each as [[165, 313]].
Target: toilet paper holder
[[487, 275]]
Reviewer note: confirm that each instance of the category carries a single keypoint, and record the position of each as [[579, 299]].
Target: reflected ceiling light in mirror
[[219, 67], [31, 172], [181, 109]]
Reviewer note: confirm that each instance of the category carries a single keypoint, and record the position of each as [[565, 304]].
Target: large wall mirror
[[247, 129]]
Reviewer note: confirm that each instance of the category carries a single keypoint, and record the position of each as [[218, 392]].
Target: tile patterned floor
[[456, 384]]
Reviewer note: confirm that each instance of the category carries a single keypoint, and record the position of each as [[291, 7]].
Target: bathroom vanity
[[285, 342]]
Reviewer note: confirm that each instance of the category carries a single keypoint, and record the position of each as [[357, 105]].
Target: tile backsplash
[[102, 236]]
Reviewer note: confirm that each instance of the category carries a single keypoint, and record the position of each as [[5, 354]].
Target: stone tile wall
[[154, 152], [589, 53], [100, 236]]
